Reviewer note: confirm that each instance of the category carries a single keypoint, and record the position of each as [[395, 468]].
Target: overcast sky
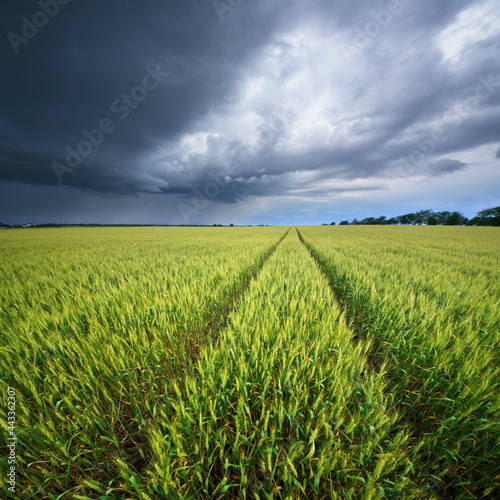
[[247, 111]]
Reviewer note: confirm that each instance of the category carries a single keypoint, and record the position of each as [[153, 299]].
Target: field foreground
[[199, 363]]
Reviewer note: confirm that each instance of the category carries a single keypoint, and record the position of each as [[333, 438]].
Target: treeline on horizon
[[488, 217]]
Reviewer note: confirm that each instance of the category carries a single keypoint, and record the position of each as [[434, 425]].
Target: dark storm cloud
[[264, 98], [67, 77]]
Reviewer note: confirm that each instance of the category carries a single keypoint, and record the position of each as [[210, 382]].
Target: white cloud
[[477, 23]]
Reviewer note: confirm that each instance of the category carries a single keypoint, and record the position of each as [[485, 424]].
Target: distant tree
[[456, 219], [488, 217], [492, 216], [407, 219], [368, 221], [432, 221], [441, 217], [355, 222], [231, 225], [332, 224], [393, 221], [344, 223], [422, 216]]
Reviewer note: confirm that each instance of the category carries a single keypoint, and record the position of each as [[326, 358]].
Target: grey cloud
[[445, 166]]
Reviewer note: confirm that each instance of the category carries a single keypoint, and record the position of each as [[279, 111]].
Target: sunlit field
[[342, 362]]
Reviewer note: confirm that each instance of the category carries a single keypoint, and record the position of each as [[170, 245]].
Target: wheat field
[[210, 363]]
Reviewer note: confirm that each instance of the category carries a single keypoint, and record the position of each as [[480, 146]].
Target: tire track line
[[355, 320], [215, 322]]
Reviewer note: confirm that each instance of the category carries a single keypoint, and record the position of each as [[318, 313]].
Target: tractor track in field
[[215, 322], [355, 319]]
